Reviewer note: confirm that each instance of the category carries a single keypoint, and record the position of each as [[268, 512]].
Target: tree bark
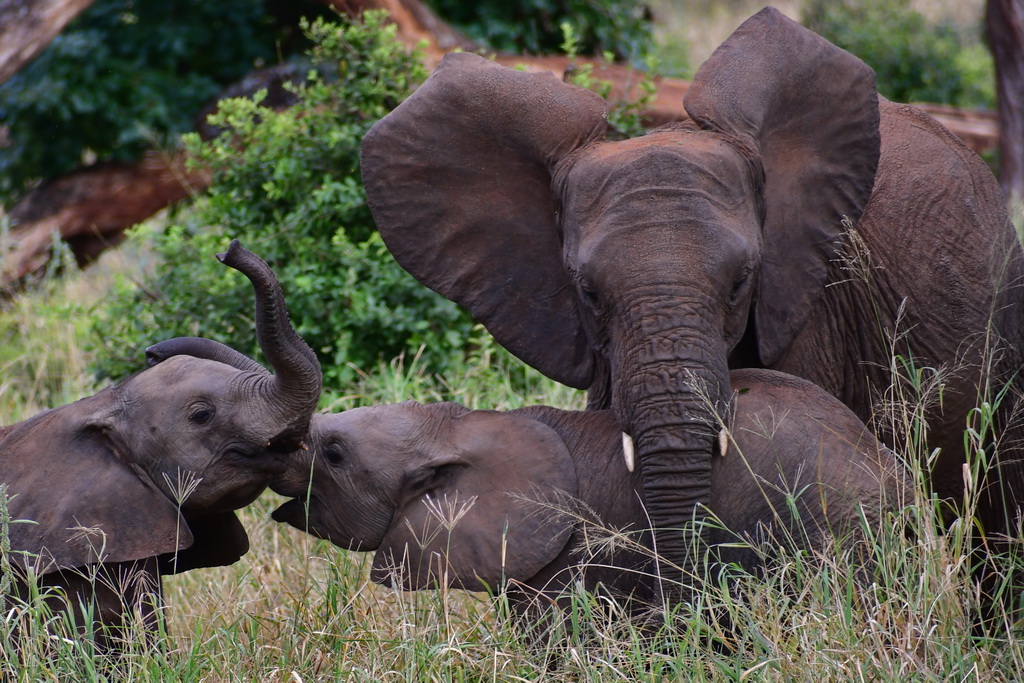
[[28, 26], [1004, 24], [90, 209]]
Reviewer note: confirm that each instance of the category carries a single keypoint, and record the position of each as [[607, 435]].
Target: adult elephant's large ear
[[459, 181], [85, 503], [810, 110], [496, 508]]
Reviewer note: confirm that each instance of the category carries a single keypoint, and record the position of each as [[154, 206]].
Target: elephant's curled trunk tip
[[230, 257]]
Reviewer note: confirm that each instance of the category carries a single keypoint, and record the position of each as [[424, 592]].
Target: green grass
[[298, 609]]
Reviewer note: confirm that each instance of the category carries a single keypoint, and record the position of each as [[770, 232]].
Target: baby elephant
[[142, 479], [479, 499]]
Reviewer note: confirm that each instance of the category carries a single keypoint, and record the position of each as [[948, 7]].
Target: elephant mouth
[[293, 512]]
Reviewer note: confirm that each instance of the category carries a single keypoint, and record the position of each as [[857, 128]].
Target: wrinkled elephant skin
[[509, 487], [142, 479], [799, 222]]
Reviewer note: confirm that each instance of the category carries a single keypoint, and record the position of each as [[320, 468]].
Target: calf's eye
[[201, 415], [333, 454]]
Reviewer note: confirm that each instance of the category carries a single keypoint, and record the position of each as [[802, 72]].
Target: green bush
[[287, 185], [915, 60], [617, 26]]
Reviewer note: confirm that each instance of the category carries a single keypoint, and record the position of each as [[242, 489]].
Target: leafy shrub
[[287, 185], [125, 75], [915, 60], [617, 26]]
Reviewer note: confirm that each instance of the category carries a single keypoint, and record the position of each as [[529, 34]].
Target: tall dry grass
[[298, 609]]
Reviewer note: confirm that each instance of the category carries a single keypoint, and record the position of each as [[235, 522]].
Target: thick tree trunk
[[1004, 24], [28, 26]]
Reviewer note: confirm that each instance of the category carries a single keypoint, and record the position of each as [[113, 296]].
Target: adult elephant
[[644, 269]]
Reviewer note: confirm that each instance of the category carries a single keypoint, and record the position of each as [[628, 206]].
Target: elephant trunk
[[295, 387], [296, 480], [676, 477], [671, 398], [200, 347]]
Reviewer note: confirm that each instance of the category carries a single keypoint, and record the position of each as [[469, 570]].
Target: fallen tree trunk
[[91, 208], [664, 107], [978, 129], [28, 26]]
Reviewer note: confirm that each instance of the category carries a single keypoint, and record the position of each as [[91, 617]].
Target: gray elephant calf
[[474, 499], [142, 479]]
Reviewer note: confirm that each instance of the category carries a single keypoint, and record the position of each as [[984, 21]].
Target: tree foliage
[[125, 75], [620, 27], [916, 60]]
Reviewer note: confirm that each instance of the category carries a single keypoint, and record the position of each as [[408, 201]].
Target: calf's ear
[[498, 507], [76, 498]]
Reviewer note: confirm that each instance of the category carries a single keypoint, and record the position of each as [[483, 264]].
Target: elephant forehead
[[383, 428], [662, 171], [188, 370], [183, 378], [660, 193]]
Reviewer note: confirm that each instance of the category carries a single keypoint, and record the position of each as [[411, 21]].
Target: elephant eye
[[201, 414], [333, 454], [739, 285], [589, 296]]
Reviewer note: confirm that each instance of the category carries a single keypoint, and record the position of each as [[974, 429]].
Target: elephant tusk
[[723, 441], [627, 451]]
